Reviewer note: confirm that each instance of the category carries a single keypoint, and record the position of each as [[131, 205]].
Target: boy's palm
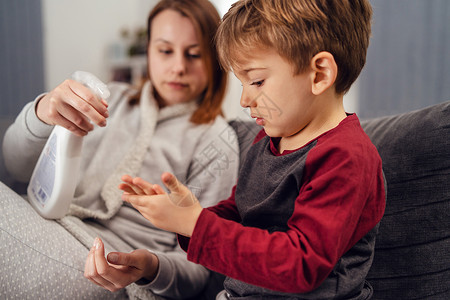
[[176, 212], [180, 194]]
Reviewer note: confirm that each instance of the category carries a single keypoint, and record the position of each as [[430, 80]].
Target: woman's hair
[[297, 30], [205, 19]]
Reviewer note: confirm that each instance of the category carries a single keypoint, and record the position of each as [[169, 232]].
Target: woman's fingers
[[98, 270], [73, 106], [68, 117], [92, 97], [87, 102], [91, 273]]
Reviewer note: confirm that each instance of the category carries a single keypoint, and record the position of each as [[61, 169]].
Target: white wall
[[78, 35]]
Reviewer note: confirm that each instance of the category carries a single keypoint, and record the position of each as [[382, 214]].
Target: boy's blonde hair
[[298, 30]]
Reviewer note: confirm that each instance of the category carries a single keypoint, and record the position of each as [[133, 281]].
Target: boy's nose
[[246, 100]]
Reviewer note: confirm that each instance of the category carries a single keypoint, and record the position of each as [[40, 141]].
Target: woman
[[173, 124]]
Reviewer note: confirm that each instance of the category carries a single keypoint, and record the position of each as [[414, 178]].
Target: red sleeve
[[225, 209], [335, 208]]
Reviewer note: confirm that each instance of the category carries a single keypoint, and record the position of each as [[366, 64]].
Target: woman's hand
[[176, 212], [119, 269], [73, 106]]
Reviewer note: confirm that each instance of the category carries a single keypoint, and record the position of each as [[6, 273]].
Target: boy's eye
[[257, 83]]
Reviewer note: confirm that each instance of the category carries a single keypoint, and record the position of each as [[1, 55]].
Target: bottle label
[[44, 179]]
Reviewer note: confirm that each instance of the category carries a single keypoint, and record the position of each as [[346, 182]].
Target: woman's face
[[176, 66]]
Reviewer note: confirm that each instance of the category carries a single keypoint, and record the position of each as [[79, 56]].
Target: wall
[[408, 66], [78, 35]]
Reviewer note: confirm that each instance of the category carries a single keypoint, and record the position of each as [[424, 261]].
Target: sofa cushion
[[412, 256]]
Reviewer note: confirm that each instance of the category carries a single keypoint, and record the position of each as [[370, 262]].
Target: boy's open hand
[[177, 212]]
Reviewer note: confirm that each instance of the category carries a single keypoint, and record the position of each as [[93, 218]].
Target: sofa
[[412, 255], [412, 252]]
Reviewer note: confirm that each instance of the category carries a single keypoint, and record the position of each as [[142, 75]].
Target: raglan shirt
[[300, 223]]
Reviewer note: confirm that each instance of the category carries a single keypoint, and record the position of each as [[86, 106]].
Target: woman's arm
[[24, 141], [71, 105]]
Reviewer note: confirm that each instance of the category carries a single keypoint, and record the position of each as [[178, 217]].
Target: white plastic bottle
[[52, 184]]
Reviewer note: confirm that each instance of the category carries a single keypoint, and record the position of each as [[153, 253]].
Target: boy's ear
[[324, 70]]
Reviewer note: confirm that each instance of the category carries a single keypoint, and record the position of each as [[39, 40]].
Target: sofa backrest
[[412, 252]]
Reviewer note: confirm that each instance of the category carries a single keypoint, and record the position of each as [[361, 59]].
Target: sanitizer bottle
[[53, 182]]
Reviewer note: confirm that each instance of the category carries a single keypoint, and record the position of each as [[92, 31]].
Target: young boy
[[302, 219]]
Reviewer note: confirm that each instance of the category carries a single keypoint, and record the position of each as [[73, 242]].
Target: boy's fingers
[[126, 188], [145, 186], [172, 183], [136, 186], [137, 190], [127, 178], [158, 189], [180, 194], [136, 200]]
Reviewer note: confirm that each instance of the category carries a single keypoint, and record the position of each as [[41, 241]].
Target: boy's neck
[[331, 114]]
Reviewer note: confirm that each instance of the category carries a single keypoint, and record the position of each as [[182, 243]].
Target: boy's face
[[279, 100]]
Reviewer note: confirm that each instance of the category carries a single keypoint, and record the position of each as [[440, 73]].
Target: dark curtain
[[21, 54], [21, 62]]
